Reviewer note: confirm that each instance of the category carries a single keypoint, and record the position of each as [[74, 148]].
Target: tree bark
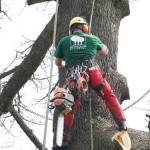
[[4, 74], [106, 21]]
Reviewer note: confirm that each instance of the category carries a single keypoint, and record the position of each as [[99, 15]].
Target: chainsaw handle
[[52, 100], [52, 106]]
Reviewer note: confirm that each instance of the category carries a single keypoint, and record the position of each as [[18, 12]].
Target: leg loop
[[99, 88]]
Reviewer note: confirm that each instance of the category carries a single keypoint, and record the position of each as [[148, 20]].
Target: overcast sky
[[133, 55]]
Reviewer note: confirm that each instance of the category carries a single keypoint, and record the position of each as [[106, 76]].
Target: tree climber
[[76, 52]]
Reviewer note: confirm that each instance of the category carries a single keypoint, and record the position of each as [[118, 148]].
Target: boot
[[64, 146], [121, 124]]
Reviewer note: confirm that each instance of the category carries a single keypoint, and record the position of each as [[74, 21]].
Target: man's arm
[[103, 51], [59, 62]]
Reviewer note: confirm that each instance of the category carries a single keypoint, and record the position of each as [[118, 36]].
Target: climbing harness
[[50, 78], [87, 62], [100, 87], [77, 77]]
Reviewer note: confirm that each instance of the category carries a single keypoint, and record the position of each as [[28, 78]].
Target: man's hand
[[60, 63], [103, 51]]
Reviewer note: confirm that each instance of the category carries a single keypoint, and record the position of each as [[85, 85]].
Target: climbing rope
[[91, 127], [91, 17], [50, 80], [137, 100]]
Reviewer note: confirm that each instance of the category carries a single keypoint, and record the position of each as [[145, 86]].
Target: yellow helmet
[[77, 20]]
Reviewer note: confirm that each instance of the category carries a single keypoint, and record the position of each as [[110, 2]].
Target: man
[[78, 50]]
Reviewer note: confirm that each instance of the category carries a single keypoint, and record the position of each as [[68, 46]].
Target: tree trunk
[[106, 21]]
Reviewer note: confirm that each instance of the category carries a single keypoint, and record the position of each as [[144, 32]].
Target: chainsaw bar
[[60, 130]]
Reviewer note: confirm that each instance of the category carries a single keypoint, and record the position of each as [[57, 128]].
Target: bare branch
[[4, 74], [31, 2], [0, 6], [25, 128], [142, 108], [5, 13], [8, 130], [25, 70]]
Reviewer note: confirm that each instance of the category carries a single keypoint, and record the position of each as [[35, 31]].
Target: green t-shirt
[[73, 48]]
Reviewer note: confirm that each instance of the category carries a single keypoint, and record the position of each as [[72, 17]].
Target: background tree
[[106, 21]]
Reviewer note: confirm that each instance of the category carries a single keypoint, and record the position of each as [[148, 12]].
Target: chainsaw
[[62, 102]]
